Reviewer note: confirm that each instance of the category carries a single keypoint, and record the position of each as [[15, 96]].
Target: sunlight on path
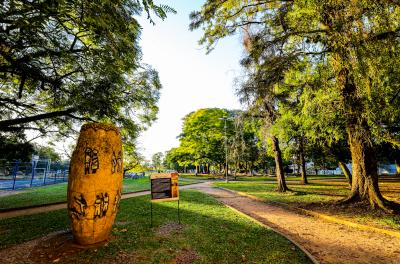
[[327, 242]]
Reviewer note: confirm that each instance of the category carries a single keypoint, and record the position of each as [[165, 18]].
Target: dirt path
[[327, 242]]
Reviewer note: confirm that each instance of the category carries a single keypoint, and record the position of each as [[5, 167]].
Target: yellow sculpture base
[[95, 183]]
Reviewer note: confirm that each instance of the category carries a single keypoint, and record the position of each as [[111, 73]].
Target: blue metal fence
[[18, 175]]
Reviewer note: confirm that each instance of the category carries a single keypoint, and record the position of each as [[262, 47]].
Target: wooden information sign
[[164, 187]]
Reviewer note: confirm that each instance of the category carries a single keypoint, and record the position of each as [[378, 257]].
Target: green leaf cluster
[[66, 62]]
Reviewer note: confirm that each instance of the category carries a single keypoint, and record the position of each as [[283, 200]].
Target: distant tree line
[[12, 149], [202, 147], [202, 143]]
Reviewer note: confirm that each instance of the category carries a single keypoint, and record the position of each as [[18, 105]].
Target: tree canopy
[[205, 140], [64, 62], [346, 51]]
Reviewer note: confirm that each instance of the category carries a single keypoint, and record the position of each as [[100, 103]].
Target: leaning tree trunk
[[346, 171], [303, 164], [280, 177]]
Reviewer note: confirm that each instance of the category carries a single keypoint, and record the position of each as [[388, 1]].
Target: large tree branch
[[5, 124]]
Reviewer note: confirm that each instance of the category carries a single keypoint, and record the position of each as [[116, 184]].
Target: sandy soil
[[327, 242], [48, 249], [59, 246]]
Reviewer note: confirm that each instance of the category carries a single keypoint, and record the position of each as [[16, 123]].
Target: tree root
[[383, 204], [353, 198], [387, 206]]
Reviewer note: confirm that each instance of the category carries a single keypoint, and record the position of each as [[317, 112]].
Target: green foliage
[[46, 152], [172, 159], [202, 142], [64, 62], [203, 137], [246, 148], [133, 161], [315, 69], [15, 147], [157, 160]]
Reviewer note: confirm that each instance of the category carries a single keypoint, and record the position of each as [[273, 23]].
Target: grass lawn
[[321, 197], [211, 231], [258, 178], [200, 176], [58, 193], [289, 178]]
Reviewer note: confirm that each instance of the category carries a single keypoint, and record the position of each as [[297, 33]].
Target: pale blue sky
[[191, 79]]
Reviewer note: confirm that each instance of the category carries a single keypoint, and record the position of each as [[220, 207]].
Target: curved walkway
[[326, 241]]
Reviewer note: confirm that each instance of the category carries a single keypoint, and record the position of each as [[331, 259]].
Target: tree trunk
[[226, 174], [298, 173], [346, 172], [280, 177], [365, 171], [364, 164], [303, 170], [303, 163], [235, 171], [397, 167]]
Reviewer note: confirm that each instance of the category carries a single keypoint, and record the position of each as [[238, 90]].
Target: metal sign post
[[164, 188]]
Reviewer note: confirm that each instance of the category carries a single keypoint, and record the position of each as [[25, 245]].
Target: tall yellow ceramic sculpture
[[95, 182]]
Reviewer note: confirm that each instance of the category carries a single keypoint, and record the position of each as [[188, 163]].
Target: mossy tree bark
[[280, 177], [365, 171], [364, 164]]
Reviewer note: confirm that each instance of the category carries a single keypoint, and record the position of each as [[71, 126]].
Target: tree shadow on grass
[[304, 193], [214, 232]]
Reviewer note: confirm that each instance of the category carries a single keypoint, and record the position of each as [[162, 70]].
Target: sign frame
[[172, 191], [173, 187]]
